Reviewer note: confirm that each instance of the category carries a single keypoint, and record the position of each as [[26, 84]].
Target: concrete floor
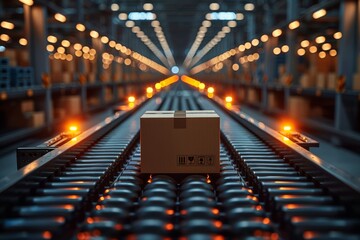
[[347, 161]]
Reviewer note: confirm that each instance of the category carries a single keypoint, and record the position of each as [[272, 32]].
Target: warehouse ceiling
[[172, 32]]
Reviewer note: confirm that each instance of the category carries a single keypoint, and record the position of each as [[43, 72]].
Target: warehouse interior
[[71, 71]]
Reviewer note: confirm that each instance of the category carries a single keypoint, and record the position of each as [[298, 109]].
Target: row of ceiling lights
[[276, 33]]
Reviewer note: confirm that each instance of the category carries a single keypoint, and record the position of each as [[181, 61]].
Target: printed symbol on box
[[191, 160], [209, 160], [201, 160], [181, 160]]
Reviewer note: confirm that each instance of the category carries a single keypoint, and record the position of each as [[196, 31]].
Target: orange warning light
[[202, 86], [228, 99], [73, 128], [149, 90], [210, 90], [131, 99], [287, 128]]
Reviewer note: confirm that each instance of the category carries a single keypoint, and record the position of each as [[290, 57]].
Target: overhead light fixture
[[129, 24], [7, 25], [255, 42], [175, 69], [214, 6], [313, 49], [293, 25], [222, 16], [305, 43], [60, 17], [141, 16], [122, 16], [232, 23], [4, 37], [148, 6], [285, 48], [319, 13], [337, 35], [65, 43], [277, 32], [277, 51], [80, 27], [115, 7], [52, 39], [264, 38], [326, 46], [23, 41], [239, 16], [94, 34], [104, 39], [249, 7], [322, 54], [301, 52], [333, 52], [320, 39], [27, 2]]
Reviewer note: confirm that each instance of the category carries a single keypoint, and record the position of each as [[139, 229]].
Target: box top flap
[[188, 114]]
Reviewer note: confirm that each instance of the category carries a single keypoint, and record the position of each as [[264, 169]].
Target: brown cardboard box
[[356, 81], [71, 104], [27, 106], [331, 81], [299, 107], [35, 119], [180, 142]]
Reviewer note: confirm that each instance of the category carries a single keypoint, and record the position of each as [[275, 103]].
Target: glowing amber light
[[266, 220], [52, 39], [277, 33], [157, 86], [170, 212], [131, 99], [169, 226], [319, 13], [287, 128], [215, 211], [293, 25], [149, 90], [94, 34], [80, 27], [228, 99], [264, 38], [320, 39], [201, 86], [210, 90], [47, 235], [59, 17], [27, 2], [218, 224], [337, 35], [301, 52], [313, 49], [7, 25], [305, 43]]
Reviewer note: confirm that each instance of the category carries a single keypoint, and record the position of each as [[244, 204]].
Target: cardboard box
[[71, 104], [35, 119], [299, 107], [180, 142]]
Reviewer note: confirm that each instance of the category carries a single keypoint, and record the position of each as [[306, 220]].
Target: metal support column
[[291, 36], [345, 108], [49, 117], [36, 32], [349, 43]]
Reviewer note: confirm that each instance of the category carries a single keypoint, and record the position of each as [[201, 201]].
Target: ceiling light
[[206, 23], [326, 46], [115, 7], [23, 41], [27, 2], [301, 52], [122, 16], [320, 39], [239, 16], [130, 24], [264, 38], [305, 43], [175, 69], [313, 49], [94, 34], [337, 35], [7, 25], [214, 6], [59, 17], [255, 42], [104, 39], [241, 48], [247, 45], [249, 7], [322, 54], [235, 67], [52, 39], [333, 52], [4, 37], [50, 48], [319, 13], [65, 43], [285, 48], [231, 23], [277, 32], [80, 27], [277, 51], [148, 6], [293, 25]]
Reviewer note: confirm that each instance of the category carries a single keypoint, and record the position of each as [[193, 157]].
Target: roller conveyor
[[92, 187]]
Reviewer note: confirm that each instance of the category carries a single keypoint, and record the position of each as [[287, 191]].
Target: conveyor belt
[[94, 189]]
